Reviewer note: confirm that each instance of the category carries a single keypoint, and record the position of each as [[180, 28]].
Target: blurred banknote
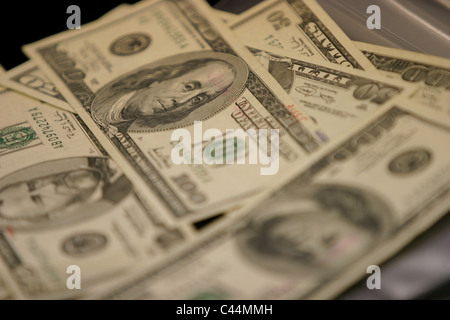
[[429, 73], [64, 202], [356, 203], [300, 28]]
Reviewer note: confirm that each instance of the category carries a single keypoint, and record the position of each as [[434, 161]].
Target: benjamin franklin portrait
[[58, 192], [314, 228], [171, 92]]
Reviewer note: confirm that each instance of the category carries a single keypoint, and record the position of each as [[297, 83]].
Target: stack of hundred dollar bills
[[170, 151]]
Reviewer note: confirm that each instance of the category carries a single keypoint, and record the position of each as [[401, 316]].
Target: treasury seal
[[410, 162], [130, 44], [16, 137], [170, 93]]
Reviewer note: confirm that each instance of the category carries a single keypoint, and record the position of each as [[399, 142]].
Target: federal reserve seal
[[16, 137], [410, 161], [130, 44]]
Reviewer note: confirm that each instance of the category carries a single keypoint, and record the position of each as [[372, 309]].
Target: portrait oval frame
[[201, 113], [287, 206], [69, 215]]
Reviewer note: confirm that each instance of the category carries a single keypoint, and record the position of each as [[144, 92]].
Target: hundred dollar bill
[[29, 79], [356, 203], [334, 97], [430, 73], [162, 66], [64, 202], [298, 27]]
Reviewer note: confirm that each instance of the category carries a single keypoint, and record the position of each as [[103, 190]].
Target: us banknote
[[431, 75], [30, 80], [356, 203], [64, 202], [335, 97], [300, 28], [161, 66]]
